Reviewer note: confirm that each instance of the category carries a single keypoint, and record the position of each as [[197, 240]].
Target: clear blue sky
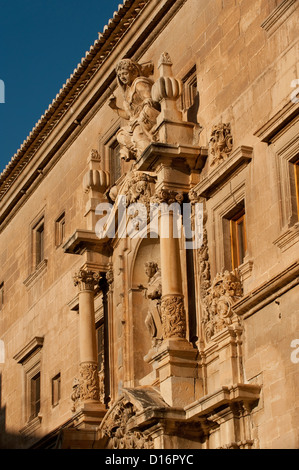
[[41, 43]]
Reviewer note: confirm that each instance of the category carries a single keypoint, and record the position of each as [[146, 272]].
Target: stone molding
[[239, 158], [279, 15], [33, 346], [39, 271], [266, 293]]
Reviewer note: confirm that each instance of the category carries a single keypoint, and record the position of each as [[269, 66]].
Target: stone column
[[172, 304], [89, 381], [175, 358]]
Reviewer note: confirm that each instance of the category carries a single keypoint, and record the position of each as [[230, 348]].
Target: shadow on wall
[[7, 440]]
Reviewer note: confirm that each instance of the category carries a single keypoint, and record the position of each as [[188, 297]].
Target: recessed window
[[115, 162], [60, 229], [34, 396], [38, 243], [56, 389], [238, 239], [190, 95]]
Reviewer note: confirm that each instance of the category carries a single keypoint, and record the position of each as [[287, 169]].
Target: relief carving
[[225, 290], [117, 430], [221, 143], [89, 381], [173, 317], [138, 108]]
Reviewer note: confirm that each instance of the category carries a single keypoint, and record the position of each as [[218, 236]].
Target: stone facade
[[115, 335]]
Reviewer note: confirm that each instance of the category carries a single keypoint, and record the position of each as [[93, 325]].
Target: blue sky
[[41, 43]]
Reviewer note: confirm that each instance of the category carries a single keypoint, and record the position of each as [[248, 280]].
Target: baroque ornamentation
[[89, 381], [167, 196], [116, 428], [221, 143], [138, 108], [173, 316], [225, 290], [86, 280], [75, 396], [137, 188], [110, 275], [150, 269]]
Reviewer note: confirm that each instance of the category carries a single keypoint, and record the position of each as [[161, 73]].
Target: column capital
[[167, 195], [86, 279]]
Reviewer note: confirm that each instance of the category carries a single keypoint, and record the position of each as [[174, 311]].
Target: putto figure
[[138, 108]]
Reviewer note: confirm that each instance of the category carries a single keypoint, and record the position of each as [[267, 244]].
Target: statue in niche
[[138, 108]]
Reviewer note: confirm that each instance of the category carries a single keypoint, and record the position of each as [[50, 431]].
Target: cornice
[[89, 65]]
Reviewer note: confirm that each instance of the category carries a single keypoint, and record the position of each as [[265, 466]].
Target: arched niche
[[147, 250]]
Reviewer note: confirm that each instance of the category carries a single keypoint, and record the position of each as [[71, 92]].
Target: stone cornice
[[35, 344], [94, 58], [268, 292]]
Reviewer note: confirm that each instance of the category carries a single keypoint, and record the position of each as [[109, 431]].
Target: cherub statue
[[138, 108]]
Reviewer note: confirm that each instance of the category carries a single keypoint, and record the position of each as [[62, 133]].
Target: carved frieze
[[225, 290], [221, 143]]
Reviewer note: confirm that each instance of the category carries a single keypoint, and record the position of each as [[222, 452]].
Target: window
[[30, 359], [60, 229], [190, 95], [100, 345], [34, 396], [56, 384], [115, 162], [238, 239], [38, 243]]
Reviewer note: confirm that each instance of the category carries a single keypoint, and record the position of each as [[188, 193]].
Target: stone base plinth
[[89, 415]]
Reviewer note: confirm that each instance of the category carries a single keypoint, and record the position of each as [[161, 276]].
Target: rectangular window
[[60, 229], [238, 239], [115, 162], [38, 236], [35, 396], [56, 386], [190, 95], [100, 345]]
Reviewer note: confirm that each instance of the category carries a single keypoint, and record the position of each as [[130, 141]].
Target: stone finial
[[167, 89]]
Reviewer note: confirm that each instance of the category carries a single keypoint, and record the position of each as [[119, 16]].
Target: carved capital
[[167, 196], [86, 280], [89, 381], [173, 316]]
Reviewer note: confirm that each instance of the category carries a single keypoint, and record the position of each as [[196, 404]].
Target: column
[[89, 381]]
